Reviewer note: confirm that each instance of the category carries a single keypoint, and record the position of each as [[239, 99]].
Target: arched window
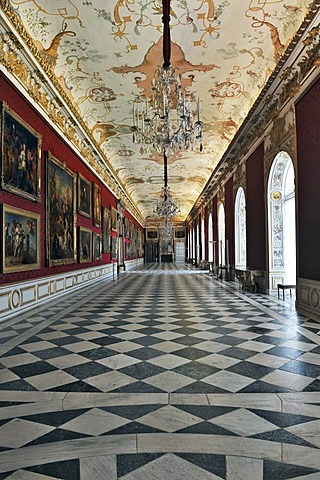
[[203, 239], [240, 231], [210, 238], [281, 222], [222, 235]]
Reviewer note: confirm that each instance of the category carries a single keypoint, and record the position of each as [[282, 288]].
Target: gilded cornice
[[20, 57], [268, 106]]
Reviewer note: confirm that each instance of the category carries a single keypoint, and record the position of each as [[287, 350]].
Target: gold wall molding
[[20, 57]]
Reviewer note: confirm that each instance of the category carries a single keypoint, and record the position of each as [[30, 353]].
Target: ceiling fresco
[[104, 54]]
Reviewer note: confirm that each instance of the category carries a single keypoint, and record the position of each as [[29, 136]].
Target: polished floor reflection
[[163, 373]]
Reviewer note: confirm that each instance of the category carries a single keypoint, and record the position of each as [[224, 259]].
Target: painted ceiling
[[105, 52]]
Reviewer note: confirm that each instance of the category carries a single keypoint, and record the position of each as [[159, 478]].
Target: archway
[[240, 231], [281, 222], [222, 235]]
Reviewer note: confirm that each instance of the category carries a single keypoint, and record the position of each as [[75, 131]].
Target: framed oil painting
[[114, 243], [96, 246], [180, 234], [61, 217], [96, 199], [20, 156], [152, 234], [106, 223], [84, 196], [113, 219], [21, 240], [84, 245]]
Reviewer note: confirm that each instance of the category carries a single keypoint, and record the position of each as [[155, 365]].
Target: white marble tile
[[37, 346], [29, 396], [130, 335], [205, 335], [256, 346], [188, 399], [168, 346], [212, 347], [95, 422], [25, 475], [305, 347], [52, 335], [214, 444], [268, 360], [169, 361], [74, 400], [66, 361], [287, 380], [303, 397], [259, 401], [218, 361], [124, 347], [118, 361], [31, 408], [243, 422], [169, 419], [67, 450], [79, 347], [241, 468], [109, 381], [7, 376], [51, 380], [310, 357], [18, 432], [169, 381], [98, 468], [16, 360], [309, 431], [299, 455], [170, 467], [244, 335], [308, 410], [232, 382]]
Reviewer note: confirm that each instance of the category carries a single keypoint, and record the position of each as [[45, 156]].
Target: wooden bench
[[284, 287]]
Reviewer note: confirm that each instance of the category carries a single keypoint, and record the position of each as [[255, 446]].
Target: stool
[[283, 288]]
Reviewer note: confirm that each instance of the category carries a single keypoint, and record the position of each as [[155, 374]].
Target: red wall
[[308, 151], [255, 210], [229, 204], [52, 142]]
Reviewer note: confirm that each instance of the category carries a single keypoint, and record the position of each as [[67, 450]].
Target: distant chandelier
[[166, 231], [170, 120], [166, 206]]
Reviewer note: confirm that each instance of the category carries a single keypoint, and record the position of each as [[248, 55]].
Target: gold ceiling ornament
[[169, 121]]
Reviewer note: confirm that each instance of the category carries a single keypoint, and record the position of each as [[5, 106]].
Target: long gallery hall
[[161, 373]]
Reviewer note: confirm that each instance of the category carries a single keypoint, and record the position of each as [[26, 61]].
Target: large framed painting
[[61, 216], [106, 223], [84, 196], [152, 234], [96, 199], [21, 240], [20, 156], [96, 246], [84, 245], [113, 219]]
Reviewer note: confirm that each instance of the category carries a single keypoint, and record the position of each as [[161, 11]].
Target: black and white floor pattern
[[164, 373]]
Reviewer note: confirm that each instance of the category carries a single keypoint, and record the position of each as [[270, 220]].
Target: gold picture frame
[[84, 196], [113, 219], [84, 244], [96, 202], [21, 240], [61, 213], [96, 246], [20, 156]]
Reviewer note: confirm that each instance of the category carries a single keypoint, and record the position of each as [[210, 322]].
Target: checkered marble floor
[[163, 373]]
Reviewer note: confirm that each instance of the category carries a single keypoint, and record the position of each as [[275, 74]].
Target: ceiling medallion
[[169, 121]]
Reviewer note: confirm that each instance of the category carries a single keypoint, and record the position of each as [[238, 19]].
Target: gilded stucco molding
[[47, 93], [259, 117]]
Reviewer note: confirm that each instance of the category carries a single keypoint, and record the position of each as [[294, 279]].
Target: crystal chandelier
[[169, 121], [166, 206], [166, 231]]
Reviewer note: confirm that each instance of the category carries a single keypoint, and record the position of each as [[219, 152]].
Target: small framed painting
[[84, 196], [96, 197], [85, 245], [113, 219], [96, 246], [106, 223], [21, 240], [20, 156]]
